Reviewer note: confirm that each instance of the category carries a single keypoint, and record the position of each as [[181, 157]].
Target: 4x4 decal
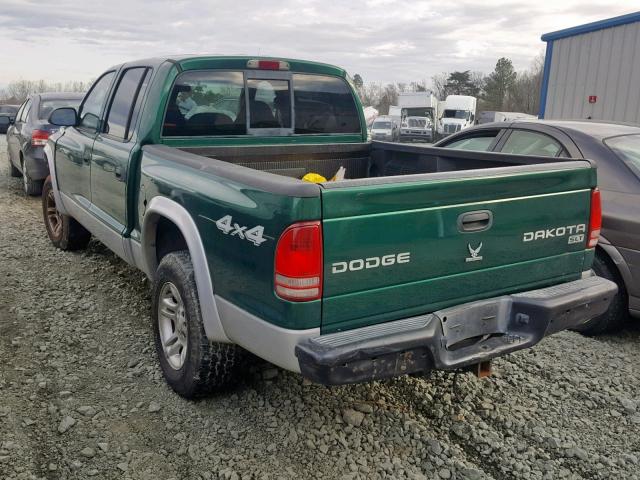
[[253, 235]]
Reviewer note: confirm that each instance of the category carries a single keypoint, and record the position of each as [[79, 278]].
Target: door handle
[[476, 221]]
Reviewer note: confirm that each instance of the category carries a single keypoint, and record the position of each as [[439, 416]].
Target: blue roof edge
[[592, 27]]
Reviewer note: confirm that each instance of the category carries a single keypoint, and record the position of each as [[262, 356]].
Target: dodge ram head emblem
[[474, 253]]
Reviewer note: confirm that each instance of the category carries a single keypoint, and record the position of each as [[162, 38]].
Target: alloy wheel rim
[[172, 325], [54, 219]]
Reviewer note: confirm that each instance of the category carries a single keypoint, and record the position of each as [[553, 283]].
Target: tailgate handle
[[476, 221]]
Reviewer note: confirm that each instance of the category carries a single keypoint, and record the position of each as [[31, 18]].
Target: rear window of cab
[[223, 103]]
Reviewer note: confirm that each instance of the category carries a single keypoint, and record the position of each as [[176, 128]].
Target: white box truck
[[459, 113], [418, 112]]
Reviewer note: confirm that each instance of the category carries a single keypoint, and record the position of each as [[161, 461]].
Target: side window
[[122, 106], [480, 142], [206, 103], [93, 103], [270, 103], [324, 104], [522, 142], [25, 111]]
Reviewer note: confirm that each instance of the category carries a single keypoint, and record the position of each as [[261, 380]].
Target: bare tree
[[18, 90], [524, 94], [439, 85]]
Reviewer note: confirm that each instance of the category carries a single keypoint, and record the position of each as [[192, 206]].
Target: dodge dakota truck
[[416, 258]]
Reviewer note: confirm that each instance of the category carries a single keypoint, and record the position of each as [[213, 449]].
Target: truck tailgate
[[401, 246]]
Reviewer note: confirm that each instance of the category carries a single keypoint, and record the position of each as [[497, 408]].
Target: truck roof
[[203, 62]]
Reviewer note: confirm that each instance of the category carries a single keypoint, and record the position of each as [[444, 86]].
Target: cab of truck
[[459, 113]]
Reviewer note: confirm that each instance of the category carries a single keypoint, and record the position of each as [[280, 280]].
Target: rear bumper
[[452, 338]]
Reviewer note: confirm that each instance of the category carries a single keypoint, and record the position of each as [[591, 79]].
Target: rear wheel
[[191, 364], [64, 231], [616, 316], [31, 187], [15, 173]]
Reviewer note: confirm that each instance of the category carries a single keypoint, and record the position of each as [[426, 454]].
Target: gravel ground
[[81, 394]]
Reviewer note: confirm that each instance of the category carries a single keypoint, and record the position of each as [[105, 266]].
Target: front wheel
[[64, 231], [191, 364]]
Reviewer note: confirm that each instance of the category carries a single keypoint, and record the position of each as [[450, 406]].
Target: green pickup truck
[[420, 258]]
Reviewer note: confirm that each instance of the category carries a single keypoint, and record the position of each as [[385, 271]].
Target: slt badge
[[474, 253]]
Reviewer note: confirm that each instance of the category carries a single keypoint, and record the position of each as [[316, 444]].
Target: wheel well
[[169, 238], [602, 253]]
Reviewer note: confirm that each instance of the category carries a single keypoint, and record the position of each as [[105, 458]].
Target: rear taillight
[[39, 138], [298, 265], [595, 219]]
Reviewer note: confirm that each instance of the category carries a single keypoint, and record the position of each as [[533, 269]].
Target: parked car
[[616, 150], [28, 134], [420, 258], [384, 128], [10, 111]]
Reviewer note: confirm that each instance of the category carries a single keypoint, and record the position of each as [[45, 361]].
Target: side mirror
[[64, 117], [5, 121]]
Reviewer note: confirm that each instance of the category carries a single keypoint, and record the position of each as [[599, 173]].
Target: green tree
[[460, 83], [498, 84], [357, 81]]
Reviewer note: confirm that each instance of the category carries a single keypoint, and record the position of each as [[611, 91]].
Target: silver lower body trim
[[269, 342]]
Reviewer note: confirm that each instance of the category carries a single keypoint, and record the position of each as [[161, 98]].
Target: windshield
[[461, 114], [627, 149], [48, 106], [382, 125]]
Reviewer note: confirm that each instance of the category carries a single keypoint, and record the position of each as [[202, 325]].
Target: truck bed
[[375, 159]]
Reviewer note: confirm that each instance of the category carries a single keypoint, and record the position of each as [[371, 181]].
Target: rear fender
[[162, 207]]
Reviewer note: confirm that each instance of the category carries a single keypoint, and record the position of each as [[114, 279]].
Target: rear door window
[[324, 105], [523, 142], [124, 100], [480, 142]]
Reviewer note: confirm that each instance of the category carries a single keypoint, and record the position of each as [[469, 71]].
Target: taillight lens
[[39, 138], [298, 265], [595, 219]]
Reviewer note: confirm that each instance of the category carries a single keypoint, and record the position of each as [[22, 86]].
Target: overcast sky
[[383, 40]]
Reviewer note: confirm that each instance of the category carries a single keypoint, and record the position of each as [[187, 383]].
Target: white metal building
[[593, 71]]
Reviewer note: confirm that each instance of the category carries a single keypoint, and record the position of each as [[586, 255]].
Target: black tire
[[31, 187], [618, 313], [64, 231], [15, 173], [207, 367]]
